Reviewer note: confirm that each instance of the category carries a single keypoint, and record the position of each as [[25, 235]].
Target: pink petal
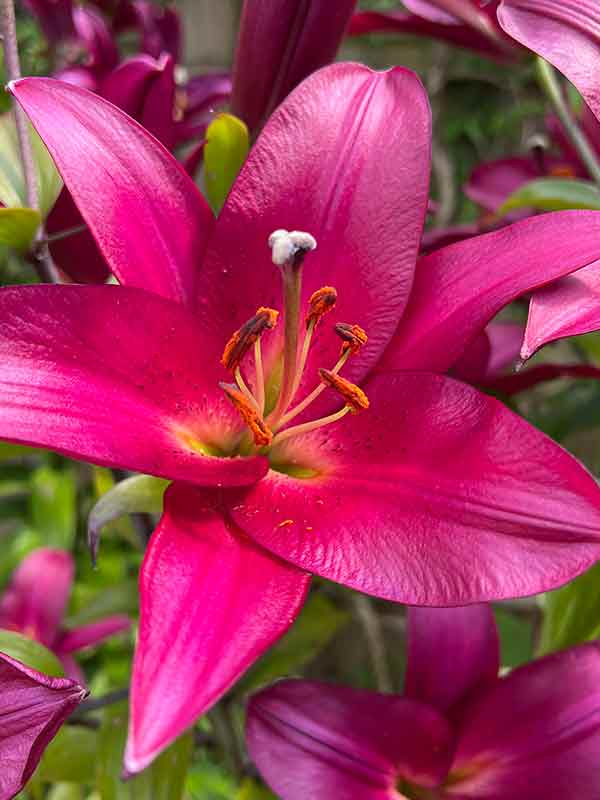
[[355, 182], [459, 289], [536, 734], [312, 740], [491, 182], [491, 353], [565, 32], [211, 603], [55, 18], [32, 709], [437, 495], [451, 653], [35, 601], [95, 36], [92, 634], [276, 51], [148, 218], [118, 377], [568, 307]]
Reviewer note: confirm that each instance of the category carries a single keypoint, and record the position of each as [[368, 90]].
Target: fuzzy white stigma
[[286, 244]]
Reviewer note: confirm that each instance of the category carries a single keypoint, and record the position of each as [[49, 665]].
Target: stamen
[[263, 436], [321, 302], [307, 427], [260, 377], [244, 388], [243, 339], [356, 400], [353, 337]]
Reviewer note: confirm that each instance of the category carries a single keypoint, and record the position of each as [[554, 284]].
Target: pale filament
[[243, 387], [260, 377], [307, 427]]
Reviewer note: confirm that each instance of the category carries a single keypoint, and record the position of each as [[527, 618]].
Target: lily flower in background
[[276, 51], [34, 604], [33, 706], [458, 731], [431, 493], [461, 22]]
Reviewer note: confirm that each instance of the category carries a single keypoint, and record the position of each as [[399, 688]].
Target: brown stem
[[371, 625]]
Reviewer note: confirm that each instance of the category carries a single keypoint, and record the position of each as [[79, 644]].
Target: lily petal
[[92, 634], [322, 165], [211, 603], [553, 756], [459, 289], [492, 182], [313, 740], [115, 376], [462, 500], [568, 307], [35, 601], [94, 34], [32, 709], [146, 214], [491, 353], [451, 652], [564, 32]]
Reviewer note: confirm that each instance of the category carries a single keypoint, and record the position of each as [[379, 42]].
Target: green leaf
[[31, 653], [70, 756], [225, 151], [13, 192], [251, 790], [53, 505], [18, 227], [209, 781], [516, 638], [163, 780], [572, 613], [318, 622], [553, 194], [10, 451]]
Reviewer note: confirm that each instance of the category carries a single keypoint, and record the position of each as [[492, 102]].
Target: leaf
[[30, 653], [572, 613], [516, 638], [553, 194], [225, 151], [18, 227], [209, 781], [251, 790], [71, 756], [319, 620], [53, 505], [163, 780], [12, 184]]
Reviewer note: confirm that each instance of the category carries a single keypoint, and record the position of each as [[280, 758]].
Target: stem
[[292, 290], [101, 702], [371, 625], [552, 89], [57, 237]]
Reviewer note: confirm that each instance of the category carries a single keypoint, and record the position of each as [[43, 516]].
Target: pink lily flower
[[33, 706], [55, 18], [277, 49], [34, 604], [436, 494], [458, 731], [461, 22]]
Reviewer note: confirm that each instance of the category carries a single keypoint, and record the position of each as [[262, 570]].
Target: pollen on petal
[[321, 302], [353, 395], [263, 436], [243, 339], [353, 337]]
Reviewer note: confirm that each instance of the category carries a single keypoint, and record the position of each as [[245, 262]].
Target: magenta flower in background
[[435, 494], [275, 51], [35, 602], [458, 731], [55, 18], [33, 706]]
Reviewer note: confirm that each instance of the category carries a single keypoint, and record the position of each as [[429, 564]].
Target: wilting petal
[[211, 603], [568, 307], [536, 734], [436, 495], [276, 51], [95, 36], [322, 165], [564, 32], [35, 601], [94, 633], [319, 741], [459, 289], [32, 709], [115, 376], [451, 652], [145, 213], [492, 182]]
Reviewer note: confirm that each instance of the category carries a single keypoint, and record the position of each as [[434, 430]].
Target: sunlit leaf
[[553, 194], [225, 151], [31, 653], [18, 227]]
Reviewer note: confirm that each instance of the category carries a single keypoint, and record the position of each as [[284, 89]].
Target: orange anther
[[321, 302], [242, 340], [263, 436], [353, 337], [352, 394]]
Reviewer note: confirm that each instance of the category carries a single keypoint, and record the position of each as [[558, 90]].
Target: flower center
[[265, 431]]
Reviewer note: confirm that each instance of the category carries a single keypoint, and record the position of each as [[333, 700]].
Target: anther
[[321, 302], [290, 247], [354, 397], [243, 339], [263, 436], [353, 337]]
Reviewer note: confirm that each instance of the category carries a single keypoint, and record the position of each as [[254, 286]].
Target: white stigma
[[285, 245]]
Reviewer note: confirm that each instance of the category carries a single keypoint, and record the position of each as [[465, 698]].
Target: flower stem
[[550, 85]]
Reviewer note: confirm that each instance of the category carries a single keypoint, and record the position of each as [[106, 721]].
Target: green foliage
[[70, 757], [53, 505], [225, 151], [18, 227], [553, 194], [251, 790], [31, 653], [516, 637], [572, 613]]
